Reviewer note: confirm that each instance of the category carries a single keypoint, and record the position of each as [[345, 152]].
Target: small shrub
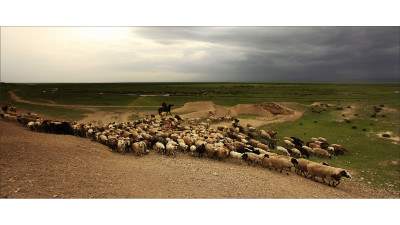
[[371, 124], [349, 107], [343, 115], [339, 108], [382, 105], [373, 115], [300, 124], [364, 129], [315, 121], [355, 114], [383, 115], [347, 121], [386, 135], [354, 127]]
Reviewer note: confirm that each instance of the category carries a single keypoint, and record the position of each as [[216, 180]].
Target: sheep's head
[[294, 161], [325, 164], [245, 156], [345, 174], [266, 156]]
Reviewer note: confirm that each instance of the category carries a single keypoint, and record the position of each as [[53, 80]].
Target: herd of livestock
[[167, 135]]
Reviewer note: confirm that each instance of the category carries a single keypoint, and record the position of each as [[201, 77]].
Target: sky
[[199, 54]]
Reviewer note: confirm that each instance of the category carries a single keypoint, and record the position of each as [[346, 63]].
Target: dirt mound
[[203, 109]]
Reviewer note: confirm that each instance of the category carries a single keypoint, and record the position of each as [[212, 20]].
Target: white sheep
[[193, 149], [253, 158], [265, 135], [139, 148], [327, 172], [281, 163], [171, 147], [302, 166], [288, 138], [122, 146], [321, 139], [262, 151], [210, 149], [236, 155], [321, 152], [182, 146], [282, 150], [288, 143], [159, 147], [263, 146], [222, 153], [253, 142], [30, 125], [296, 152]]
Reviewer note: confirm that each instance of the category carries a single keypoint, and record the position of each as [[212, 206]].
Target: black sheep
[[201, 149], [303, 151]]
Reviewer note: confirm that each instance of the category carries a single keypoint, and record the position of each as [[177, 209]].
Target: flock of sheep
[[167, 135]]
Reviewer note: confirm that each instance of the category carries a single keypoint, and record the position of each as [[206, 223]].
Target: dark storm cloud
[[287, 53]]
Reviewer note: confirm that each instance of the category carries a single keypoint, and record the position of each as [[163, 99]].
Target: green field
[[372, 160]]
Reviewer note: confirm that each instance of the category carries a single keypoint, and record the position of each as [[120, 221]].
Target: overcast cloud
[[143, 54]]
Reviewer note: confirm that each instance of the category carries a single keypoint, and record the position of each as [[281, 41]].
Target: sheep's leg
[[323, 180]]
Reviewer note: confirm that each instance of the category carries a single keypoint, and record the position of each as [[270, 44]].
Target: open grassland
[[372, 159], [356, 115]]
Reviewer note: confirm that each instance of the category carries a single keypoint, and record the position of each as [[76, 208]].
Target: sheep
[[31, 125], [182, 146], [265, 160], [296, 152], [159, 147], [253, 142], [288, 143], [121, 146], [321, 152], [139, 147], [252, 158], [281, 163], [272, 133], [210, 149], [326, 172], [339, 150], [282, 150], [236, 155], [222, 153], [201, 149], [313, 145], [171, 147], [309, 150], [321, 139], [288, 139], [192, 149], [303, 152], [261, 151], [265, 135], [103, 139], [263, 146], [113, 142], [302, 166]]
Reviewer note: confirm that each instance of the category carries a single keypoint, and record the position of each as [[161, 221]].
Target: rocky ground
[[39, 165]]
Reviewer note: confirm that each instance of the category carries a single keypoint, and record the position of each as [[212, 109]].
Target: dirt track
[[39, 165]]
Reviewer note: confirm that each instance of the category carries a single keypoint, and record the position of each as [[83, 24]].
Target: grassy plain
[[373, 160]]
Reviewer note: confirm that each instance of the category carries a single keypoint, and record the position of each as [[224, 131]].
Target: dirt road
[[39, 165]]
